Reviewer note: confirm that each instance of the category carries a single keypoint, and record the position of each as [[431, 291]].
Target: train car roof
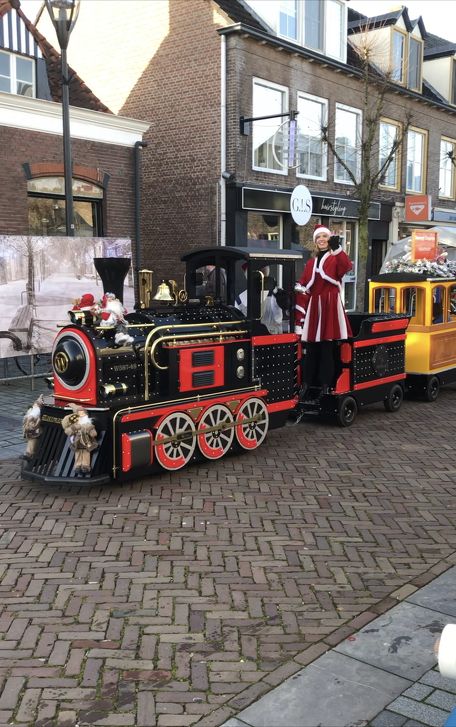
[[408, 278], [243, 253]]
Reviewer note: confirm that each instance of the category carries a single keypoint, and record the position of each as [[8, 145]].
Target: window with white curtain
[[388, 135], [446, 170], [312, 151], [348, 143], [267, 135], [416, 161]]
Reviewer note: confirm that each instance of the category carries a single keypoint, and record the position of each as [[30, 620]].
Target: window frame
[[424, 134], [420, 42], [397, 157], [403, 78], [452, 93], [448, 140], [359, 114], [256, 80], [324, 104], [300, 37], [13, 73]]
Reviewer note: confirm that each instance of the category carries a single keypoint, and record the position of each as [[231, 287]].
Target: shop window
[[17, 74], [46, 207], [347, 232], [268, 134]]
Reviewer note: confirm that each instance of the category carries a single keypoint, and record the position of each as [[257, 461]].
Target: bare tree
[[376, 84]]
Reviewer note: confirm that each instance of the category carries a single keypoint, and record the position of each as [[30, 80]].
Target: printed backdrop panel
[[41, 277]]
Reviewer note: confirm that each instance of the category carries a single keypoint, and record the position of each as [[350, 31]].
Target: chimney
[[112, 271]]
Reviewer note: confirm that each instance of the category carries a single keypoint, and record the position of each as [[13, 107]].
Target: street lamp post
[[64, 14]]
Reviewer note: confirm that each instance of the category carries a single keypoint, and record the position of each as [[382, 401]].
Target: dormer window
[[414, 64], [398, 56], [453, 82], [17, 74], [316, 24]]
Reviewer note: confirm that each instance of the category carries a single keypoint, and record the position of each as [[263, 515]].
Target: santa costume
[[320, 314]]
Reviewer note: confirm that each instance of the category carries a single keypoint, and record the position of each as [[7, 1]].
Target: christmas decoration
[[80, 429], [113, 316], [31, 427]]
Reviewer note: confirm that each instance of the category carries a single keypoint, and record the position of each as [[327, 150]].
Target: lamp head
[[63, 14]]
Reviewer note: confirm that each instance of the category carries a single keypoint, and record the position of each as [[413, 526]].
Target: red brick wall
[[179, 93], [32, 147]]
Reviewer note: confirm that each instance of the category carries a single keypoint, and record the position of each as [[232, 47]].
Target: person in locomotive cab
[[271, 310], [320, 315]]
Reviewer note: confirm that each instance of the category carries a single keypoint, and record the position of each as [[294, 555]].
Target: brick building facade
[[31, 168], [193, 81]]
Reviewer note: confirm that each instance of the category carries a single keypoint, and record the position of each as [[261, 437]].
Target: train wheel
[[348, 409], [432, 389], [395, 398], [177, 430], [218, 419], [252, 433]]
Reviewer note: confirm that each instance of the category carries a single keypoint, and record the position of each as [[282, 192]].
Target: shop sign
[[301, 205], [444, 215], [424, 245], [417, 207], [337, 207]]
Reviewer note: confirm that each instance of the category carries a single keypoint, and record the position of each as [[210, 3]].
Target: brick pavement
[[181, 599]]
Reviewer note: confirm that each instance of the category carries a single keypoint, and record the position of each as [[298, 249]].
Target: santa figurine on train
[[113, 316], [320, 315]]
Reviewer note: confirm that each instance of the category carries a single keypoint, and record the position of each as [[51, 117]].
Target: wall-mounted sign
[[440, 215], [337, 207], [417, 207], [301, 205], [424, 245]]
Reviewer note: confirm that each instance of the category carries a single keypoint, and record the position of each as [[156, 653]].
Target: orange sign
[[424, 245], [417, 208]]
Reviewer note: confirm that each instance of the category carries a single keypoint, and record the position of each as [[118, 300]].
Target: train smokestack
[[112, 271]]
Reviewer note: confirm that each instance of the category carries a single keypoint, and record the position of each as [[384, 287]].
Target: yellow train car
[[430, 349]]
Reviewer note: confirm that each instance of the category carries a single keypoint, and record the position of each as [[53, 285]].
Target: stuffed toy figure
[[113, 315], [79, 427], [31, 427]]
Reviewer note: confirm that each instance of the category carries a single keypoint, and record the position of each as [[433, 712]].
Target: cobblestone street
[[181, 599]]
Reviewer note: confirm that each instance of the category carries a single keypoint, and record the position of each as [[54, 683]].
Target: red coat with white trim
[[320, 313]]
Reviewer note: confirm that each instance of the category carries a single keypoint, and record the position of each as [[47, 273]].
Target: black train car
[[370, 368]]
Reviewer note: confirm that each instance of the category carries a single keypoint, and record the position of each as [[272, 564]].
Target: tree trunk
[[361, 273]]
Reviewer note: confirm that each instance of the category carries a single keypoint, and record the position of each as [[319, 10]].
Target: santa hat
[[87, 300], [319, 229]]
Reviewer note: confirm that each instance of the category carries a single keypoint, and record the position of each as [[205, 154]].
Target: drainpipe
[[222, 180], [138, 256]]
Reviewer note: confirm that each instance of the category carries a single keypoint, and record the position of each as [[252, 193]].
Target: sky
[[439, 16]]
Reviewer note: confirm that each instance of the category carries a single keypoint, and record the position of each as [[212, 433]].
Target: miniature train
[[194, 374]]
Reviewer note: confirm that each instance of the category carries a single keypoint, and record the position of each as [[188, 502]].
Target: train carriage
[[430, 350]]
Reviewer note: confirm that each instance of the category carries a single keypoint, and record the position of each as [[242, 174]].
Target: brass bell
[[163, 293]]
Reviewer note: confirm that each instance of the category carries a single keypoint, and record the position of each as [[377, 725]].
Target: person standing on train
[[320, 315]]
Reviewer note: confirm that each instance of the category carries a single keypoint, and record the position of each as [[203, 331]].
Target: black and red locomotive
[[200, 375]]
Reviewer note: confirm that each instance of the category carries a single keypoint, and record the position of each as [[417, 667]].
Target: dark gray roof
[[435, 47], [377, 21], [239, 12]]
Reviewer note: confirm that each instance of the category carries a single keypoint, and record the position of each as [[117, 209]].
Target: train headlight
[[240, 371], [240, 354]]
